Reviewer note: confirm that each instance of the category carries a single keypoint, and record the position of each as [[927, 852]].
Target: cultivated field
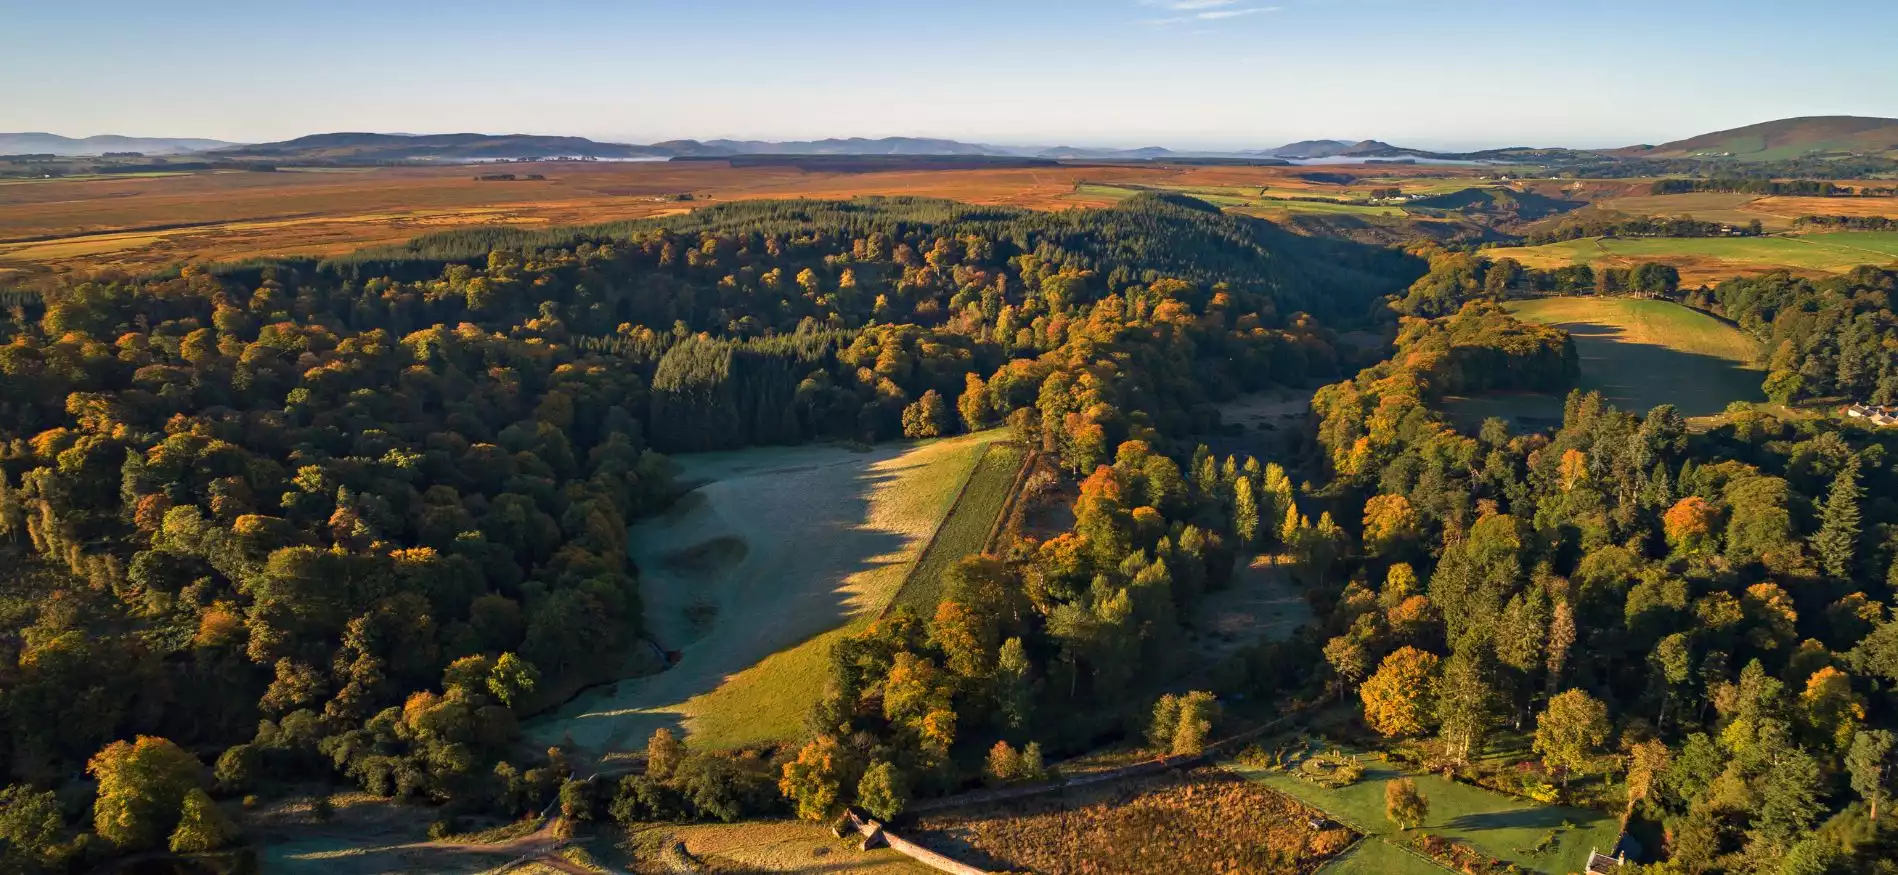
[[1711, 259], [753, 575], [1637, 353], [967, 528], [1177, 823], [1501, 826], [146, 221]]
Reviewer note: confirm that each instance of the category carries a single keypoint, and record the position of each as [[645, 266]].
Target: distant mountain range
[[38, 143], [1786, 138], [1782, 139], [378, 148]]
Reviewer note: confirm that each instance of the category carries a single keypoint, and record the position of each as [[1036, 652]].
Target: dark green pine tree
[[1837, 541]]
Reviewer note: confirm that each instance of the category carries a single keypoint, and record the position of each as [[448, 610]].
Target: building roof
[[1600, 863]]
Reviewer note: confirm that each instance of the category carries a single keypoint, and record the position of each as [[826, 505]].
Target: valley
[[848, 472]]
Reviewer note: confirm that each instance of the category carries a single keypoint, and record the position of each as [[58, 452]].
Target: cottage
[[1602, 864], [1876, 414]]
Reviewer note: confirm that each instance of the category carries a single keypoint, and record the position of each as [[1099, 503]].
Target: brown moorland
[[146, 222], [1180, 823]]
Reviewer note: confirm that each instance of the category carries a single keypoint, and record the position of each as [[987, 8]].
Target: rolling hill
[[846, 146], [1308, 149], [1785, 138], [375, 148], [40, 143], [357, 147]]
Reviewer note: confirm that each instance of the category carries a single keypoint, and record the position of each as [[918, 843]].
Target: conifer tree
[[1837, 540], [1245, 512]]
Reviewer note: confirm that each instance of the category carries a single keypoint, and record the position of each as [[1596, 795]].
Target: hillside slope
[[373, 148], [1785, 138], [41, 143]]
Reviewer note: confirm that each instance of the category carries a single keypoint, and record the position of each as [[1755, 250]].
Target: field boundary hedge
[[1028, 461]]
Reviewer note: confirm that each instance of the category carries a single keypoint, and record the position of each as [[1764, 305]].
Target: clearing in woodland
[[1637, 353], [1541, 838], [753, 575]]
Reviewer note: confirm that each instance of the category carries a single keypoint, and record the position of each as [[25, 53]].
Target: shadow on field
[[1520, 818], [1637, 376], [760, 557]]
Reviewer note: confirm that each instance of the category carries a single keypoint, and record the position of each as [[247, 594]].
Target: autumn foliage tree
[[1570, 730], [143, 785], [1400, 698], [1404, 804]]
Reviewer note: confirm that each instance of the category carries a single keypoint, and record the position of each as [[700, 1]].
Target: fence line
[[1030, 456], [874, 833]]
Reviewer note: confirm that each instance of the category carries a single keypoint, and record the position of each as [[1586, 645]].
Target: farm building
[[1875, 414]]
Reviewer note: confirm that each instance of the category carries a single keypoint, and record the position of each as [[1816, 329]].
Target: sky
[[1187, 74]]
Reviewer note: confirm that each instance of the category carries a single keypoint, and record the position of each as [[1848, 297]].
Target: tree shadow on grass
[[1638, 376], [1537, 817], [1635, 377]]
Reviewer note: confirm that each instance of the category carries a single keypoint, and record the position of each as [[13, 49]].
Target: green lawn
[[966, 530], [1637, 353], [1501, 826], [1375, 856]]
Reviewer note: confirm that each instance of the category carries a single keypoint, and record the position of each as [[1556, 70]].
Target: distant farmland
[[1711, 259], [138, 222]]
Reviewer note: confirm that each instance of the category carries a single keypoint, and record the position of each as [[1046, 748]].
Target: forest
[[346, 523], [1825, 338], [1456, 278], [1576, 228], [1749, 185], [1702, 617]]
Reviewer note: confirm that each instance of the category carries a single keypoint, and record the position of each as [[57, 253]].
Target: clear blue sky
[[1181, 73]]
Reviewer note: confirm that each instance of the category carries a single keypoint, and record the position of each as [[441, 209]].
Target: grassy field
[[1269, 208], [967, 528], [1710, 259], [1276, 201], [1374, 856], [1637, 353], [1178, 823], [1501, 826], [753, 575]]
